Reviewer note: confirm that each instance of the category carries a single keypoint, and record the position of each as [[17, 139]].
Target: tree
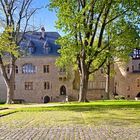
[[16, 16], [122, 42], [7, 47], [85, 23]]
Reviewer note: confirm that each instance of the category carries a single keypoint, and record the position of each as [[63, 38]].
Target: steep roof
[[42, 46]]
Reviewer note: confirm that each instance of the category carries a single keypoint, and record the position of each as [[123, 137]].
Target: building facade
[[38, 80], [127, 77]]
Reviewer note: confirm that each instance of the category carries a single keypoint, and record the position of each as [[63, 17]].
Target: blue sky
[[44, 17]]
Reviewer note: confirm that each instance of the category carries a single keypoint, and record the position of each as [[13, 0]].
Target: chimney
[[42, 33]]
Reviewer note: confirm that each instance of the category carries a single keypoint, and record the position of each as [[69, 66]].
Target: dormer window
[[46, 47], [136, 53], [31, 47], [31, 50]]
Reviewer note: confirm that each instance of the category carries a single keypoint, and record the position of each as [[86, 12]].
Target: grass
[[116, 113]]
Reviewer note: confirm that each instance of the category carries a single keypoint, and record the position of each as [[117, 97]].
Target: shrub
[[119, 97], [2, 102]]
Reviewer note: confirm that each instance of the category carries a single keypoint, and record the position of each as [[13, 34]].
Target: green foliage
[[7, 45], [121, 26]]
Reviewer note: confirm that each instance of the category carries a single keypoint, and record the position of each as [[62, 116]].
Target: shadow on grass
[[82, 108], [8, 113]]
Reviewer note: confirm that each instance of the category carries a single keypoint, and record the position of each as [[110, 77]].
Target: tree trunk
[[10, 91], [107, 89], [9, 79], [83, 87], [11, 84]]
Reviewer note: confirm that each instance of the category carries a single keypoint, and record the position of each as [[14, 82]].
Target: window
[[128, 96], [28, 85], [128, 88], [91, 85], [46, 50], [136, 53], [127, 69], [102, 70], [139, 66], [132, 68], [46, 85], [60, 78], [46, 47], [16, 69], [63, 69], [102, 84], [8, 68], [46, 68], [31, 47], [28, 69], [31, 50], [138, 82]]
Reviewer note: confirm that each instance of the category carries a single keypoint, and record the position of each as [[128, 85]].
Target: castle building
[[38, 80], [127, 77]]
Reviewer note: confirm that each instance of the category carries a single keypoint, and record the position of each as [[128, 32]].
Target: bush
[[2, 102], [119, 97]]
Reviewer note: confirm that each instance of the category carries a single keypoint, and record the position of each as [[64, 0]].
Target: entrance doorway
[[46, 99], [138, 95], [63, 90]]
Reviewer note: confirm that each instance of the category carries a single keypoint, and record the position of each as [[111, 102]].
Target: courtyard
[[100, 120]]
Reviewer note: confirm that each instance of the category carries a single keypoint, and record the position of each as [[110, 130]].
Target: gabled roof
[[35, 39]]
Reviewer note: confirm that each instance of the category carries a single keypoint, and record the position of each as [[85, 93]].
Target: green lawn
[[116, 113]]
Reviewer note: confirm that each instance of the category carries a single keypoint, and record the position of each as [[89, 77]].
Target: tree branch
[[104, 24], [117, 16], [90, 72]]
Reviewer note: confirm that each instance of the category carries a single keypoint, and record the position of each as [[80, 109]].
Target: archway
[[138, 95], [63, 90], [46, 99]]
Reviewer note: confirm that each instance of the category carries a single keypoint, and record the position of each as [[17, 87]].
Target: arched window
[[28, 69]]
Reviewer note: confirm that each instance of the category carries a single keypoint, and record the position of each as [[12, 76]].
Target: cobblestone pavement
[[17, 127], [70, 133]]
